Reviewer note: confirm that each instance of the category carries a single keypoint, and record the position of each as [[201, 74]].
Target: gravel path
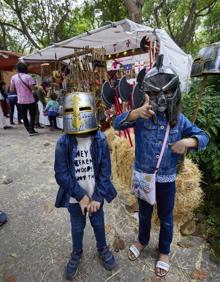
[[35, 243]]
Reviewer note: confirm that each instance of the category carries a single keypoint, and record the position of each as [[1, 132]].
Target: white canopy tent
[[118, 37]]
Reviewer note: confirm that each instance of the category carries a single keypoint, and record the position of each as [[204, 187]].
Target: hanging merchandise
[[57, 77], [127, 92], [46, 72], [88, 70], [87, 73]]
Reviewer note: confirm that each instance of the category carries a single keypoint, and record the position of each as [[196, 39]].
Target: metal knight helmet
[[162, 85], [79, 113]]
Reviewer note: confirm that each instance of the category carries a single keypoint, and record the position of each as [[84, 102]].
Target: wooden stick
[[113, 275], [199, 99]]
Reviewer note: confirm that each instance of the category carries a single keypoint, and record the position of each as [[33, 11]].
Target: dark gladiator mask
[[162, 85]]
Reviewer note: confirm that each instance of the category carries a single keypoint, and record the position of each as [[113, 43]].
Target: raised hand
[[145, 111], [110, 113]]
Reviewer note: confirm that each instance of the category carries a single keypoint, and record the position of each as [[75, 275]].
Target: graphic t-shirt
[[84, 171]]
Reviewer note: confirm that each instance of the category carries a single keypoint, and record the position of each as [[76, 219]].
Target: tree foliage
[[208, 160], [38, 22], [181, 19], [100, 12]]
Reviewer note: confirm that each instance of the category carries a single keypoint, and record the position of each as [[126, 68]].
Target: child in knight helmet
[[83, 170], [161, 106]]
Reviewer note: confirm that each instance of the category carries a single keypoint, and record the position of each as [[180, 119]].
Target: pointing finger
[[146, 101]]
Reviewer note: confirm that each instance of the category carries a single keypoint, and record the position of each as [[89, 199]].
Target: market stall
[[110, 52], [117, 38], [8, 61]]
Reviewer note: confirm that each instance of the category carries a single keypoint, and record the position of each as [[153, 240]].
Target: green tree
[[38, 22], [181, 19], [109, 10]]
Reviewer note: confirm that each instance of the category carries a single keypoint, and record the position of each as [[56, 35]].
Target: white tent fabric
[[118, 37]]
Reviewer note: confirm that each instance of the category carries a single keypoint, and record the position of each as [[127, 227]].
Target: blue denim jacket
[[149, 138], [64, 167]]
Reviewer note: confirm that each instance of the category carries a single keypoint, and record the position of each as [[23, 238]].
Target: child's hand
[[110, 113], [84, 204], [182, 145], [146, 110], [93, 207], [179, 147]]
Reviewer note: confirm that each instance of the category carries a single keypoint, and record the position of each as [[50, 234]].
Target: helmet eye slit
[[68, 110], [85, 109]]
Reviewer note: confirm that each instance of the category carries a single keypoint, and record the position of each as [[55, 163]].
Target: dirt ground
[[35, 243]]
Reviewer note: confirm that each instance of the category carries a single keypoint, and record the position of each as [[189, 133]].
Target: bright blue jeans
[[78, 223], [165, 194]]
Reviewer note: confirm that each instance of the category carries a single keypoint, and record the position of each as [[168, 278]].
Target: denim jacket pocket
[[150, 130], [174, 136]]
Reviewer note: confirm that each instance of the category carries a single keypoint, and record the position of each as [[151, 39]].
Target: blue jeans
[[12, 103], [78, 223], [165, 194]]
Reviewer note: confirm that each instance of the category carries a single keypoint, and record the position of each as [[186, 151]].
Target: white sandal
[[134, 253], [164, 266]]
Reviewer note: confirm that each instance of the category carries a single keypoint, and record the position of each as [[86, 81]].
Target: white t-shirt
[[84, 171]]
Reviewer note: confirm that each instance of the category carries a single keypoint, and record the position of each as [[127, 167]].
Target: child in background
[[52, 110], [160, 108], [83, 170]]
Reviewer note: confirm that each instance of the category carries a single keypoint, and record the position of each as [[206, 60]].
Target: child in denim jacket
[[83, 170], [160, 107]]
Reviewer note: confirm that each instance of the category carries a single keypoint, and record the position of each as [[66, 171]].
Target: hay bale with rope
[[188, 190]]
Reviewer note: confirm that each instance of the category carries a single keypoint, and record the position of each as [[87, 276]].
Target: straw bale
[[122, 159], [188, 191], [111, 134]]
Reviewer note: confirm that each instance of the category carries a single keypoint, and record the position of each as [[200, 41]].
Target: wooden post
[[199, 99]]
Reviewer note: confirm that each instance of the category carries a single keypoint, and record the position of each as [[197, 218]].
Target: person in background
[[4, 103], [3, 120], [39, 95], [42, 93], [13, 102], [23, 84], [52, 110]]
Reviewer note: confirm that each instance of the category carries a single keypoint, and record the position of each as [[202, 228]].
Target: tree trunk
[[4, 41], [185, 36], [23, 25], [156, 10], [134, 9]]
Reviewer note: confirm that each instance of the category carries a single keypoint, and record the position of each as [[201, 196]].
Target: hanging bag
[[144, 184]]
